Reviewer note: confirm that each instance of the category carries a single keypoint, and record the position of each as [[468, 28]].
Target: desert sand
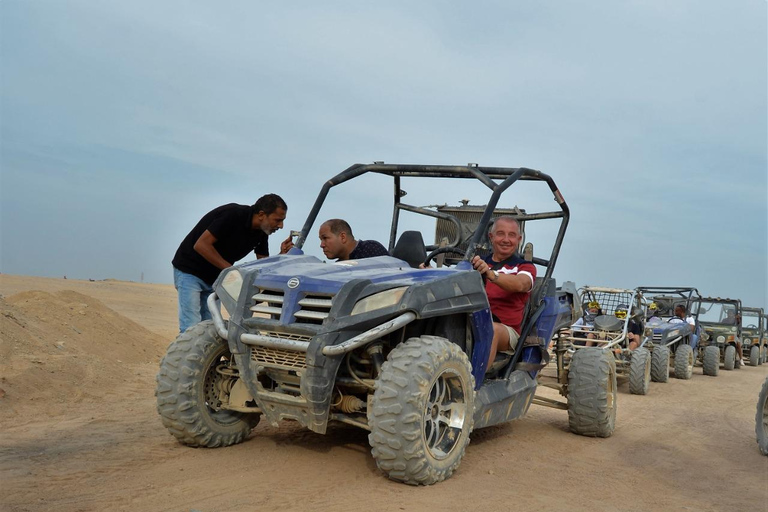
[[79, 432]]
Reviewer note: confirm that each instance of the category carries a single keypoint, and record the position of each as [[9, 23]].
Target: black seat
[[410, 248]]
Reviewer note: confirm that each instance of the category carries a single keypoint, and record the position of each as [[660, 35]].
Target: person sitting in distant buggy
[[591, 312], [653, 313], [634, 329], [681, 318]]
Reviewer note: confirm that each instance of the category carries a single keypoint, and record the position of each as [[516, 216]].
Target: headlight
[[721, 339], [232, 283], [379, 300], [674, 332], [648, 331]]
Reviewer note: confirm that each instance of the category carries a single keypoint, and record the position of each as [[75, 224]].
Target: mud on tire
[[684, 360], [185, 392], [711, 361], [640, 371], [660, 364], [761, 419], [592, 393], [421, 412]]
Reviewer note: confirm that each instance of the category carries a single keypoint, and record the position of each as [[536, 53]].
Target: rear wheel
[[684, 362], [729, 359], [187, 390], [754, 355], [640, 371], [421, 412], [761, 419], [592, 393], [660, 364], [711, 361]]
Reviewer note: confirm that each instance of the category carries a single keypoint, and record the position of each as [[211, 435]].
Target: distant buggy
[[753, 335], [720, 328], [620, 310], [668, 336]]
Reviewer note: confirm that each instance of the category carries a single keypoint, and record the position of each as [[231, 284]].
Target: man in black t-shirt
[[337, 241], [221, 238]]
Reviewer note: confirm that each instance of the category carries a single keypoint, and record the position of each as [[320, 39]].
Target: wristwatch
[[495, 276]]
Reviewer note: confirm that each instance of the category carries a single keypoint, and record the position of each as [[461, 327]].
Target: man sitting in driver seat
[[508, 283]]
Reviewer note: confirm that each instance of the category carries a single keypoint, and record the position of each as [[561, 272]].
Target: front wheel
[[754, 355], [592, 393], [640, 371], [761, 419], [660, 364], [684, 362], [729, 359], [187, 390], [421, 413], [711, 361]]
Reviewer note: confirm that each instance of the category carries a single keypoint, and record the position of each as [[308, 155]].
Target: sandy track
[[95, 442]]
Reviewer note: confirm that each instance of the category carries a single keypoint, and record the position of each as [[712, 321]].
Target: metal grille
[[277, 358], [314, 308], [657, 337], [609, 301], [269, 302]]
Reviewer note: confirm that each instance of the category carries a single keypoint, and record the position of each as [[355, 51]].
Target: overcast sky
[[124, 122]]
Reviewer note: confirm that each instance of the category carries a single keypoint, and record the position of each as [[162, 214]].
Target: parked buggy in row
[[720, 321], [671, 337], [614, 324], [753, 335], [378, 343]]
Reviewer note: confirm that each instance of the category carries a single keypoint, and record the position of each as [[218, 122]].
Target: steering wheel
[[443, 250], [751, 326]]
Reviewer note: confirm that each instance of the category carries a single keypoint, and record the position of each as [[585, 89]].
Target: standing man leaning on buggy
[[508, 283], [222, 237]]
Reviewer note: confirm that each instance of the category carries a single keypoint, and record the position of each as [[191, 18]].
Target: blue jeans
[[193, 294], [694, 342]]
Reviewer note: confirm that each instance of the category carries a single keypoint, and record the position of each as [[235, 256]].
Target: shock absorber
[[375, 352]]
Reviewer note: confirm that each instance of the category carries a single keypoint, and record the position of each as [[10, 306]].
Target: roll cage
[[497, 179]]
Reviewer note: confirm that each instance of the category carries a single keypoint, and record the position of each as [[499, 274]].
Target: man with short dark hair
[[337, 242], [222, 237]]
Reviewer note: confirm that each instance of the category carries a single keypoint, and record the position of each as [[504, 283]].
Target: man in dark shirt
[[337, 241], [221, 238]]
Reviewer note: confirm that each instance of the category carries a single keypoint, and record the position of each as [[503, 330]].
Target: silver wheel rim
[[445, 414]]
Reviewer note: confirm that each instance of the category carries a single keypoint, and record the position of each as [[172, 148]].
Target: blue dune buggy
[[376, 343], [668, 336]]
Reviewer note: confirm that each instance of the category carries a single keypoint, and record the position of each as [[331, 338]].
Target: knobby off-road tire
[[640, 371], [764, 359], [684, 360], [660, 364], [729, 359], [761, 419], [421, 412], [592, 393], [754, 355], [711, 361], [186, 391]]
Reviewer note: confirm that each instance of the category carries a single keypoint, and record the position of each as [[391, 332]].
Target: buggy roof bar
[[606, 289], [486, 175]]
